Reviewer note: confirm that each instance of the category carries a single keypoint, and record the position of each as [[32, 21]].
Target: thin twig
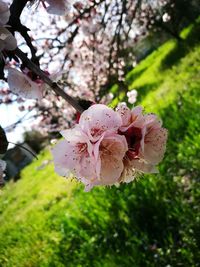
[[21, 146]]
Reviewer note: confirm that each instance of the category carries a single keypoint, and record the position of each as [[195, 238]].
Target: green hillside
[[46, 220]]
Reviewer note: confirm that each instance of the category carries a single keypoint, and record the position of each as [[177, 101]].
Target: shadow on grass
[[182, 48], [133, 75], [154, 217], [145, 89]]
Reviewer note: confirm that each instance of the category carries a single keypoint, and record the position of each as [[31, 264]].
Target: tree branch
[[15, 12], [30, 65]]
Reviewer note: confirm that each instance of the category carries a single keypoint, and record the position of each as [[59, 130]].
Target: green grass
[[46, 220]]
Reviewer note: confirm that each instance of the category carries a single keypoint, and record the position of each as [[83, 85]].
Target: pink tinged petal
[[99, 119], [23, 86], [109, 166], [112, 151], [87, 167], [64, 158], [125, 114], [71, 155], [152, 121], [155, 145], [4, 13], [142, 140], [76, 135], [137, 119]]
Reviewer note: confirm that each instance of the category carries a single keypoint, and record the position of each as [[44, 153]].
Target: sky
[[10, 114]]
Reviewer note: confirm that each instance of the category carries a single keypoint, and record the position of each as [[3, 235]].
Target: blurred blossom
[[166, 17], [21, 108], [132, 96]]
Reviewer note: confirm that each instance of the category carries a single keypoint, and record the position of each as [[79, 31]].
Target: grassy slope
[[48, 221]]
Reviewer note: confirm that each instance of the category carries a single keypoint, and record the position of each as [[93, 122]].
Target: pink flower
[[74, 154], [132, 127], [99, 119], [92, 151], [109, 153], [146, 141], [153, 143], [129, 117], [20, 84], [108, 147]]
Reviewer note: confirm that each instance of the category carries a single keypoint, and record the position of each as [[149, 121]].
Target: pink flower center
[[104, 151], [82, 148], [133, 137], [96, 131]]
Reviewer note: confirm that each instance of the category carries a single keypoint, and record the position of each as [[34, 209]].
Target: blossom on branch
[[20, 84], [108, 147]]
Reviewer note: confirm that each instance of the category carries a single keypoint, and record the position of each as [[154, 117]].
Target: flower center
[[82, 148]]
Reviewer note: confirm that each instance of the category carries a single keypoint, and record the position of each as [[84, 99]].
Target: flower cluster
[[108, 147], [7, 40]]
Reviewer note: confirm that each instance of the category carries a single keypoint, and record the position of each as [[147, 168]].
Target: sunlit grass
[[46, 220]]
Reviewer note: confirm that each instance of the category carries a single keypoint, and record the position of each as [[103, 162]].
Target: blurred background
[[141, 52]]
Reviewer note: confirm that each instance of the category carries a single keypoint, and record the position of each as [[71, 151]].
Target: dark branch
[[15, 12], [30, 65]]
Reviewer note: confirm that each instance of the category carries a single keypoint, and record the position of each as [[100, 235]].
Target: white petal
[[155, 145], [112, 151], [98, 119], [23, 86], [59, 152], [71, 155], [125, 113]]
